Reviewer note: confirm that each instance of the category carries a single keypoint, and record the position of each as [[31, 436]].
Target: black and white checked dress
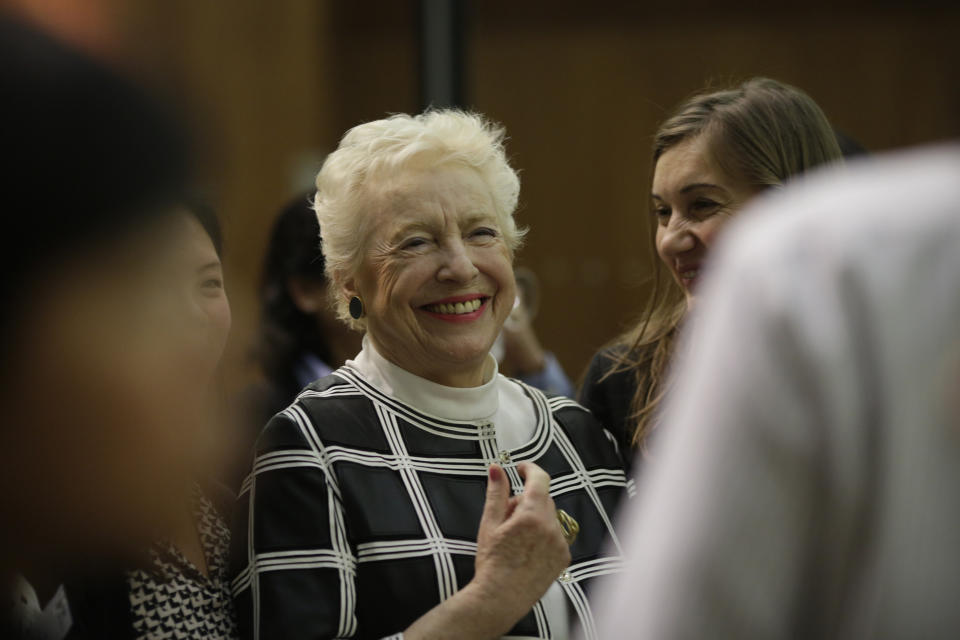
[[361, 511], [173, 599]]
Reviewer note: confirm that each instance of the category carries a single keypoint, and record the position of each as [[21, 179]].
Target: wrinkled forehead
[[432, 195]]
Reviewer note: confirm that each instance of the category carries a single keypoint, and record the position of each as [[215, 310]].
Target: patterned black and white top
[[175, 600], [362, 509]]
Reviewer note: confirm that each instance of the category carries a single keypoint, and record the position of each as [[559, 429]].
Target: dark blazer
[[610, 399], [99, 609]]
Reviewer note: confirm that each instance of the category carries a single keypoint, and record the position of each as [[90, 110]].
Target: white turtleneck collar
[[450, 403]]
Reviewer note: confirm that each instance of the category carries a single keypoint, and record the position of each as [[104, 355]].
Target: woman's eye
[[662, 214], [413, 243], [212, 283], [704, 205], [484, 231]]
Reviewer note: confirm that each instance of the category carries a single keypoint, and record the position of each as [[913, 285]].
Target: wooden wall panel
[[580, 87], [582, 95], [255, 78]]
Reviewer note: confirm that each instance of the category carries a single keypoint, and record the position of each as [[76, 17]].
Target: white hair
[[372, 152]]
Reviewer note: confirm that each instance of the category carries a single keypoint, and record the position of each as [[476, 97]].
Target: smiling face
[[437, 277], [131, 324], [201, 275], [692, 200]]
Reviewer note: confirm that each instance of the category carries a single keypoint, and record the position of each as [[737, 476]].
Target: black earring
[[356, 308]]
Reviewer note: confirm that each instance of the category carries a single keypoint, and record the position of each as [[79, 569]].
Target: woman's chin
[[467, 352]]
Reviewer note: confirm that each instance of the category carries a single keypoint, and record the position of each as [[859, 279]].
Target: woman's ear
[[350, 288], [309, 295]]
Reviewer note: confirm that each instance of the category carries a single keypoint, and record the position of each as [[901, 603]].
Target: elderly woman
[[716, 152], [379, 504]]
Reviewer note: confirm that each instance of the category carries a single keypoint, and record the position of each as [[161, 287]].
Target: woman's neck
[[465, 376], [186, 538], [459, 379]]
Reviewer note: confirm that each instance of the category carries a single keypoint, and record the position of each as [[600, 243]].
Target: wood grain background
[[581, 87]]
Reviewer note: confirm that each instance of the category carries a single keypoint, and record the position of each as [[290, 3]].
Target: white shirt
[[807, 479], [499, 400], [36, 622]]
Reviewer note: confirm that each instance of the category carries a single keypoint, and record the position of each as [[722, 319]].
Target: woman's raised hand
[[520, 547], [520, 551]]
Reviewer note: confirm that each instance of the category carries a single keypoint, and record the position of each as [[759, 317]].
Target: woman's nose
[[677, 240], [457, 264]]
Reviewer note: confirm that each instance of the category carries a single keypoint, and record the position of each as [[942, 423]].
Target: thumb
[[498, 497]]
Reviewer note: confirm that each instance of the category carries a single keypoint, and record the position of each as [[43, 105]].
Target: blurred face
[[437, 278], [692, 200], [195, 268], [105, 390]]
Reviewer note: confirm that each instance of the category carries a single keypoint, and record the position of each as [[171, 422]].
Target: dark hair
[[89, 157], [200, 208], [286, 331]]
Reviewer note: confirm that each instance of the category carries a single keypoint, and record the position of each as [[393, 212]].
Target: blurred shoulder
[[844, 242], [837, 212]]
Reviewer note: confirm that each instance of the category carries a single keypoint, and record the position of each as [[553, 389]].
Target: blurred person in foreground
[[180, 589], [415, 491], [98, 428], [807, 480], [716, 152]]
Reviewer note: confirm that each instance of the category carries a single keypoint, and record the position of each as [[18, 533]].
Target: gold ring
[[569, 527]]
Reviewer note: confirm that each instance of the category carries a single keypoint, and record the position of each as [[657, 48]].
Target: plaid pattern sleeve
[[361, 513]]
